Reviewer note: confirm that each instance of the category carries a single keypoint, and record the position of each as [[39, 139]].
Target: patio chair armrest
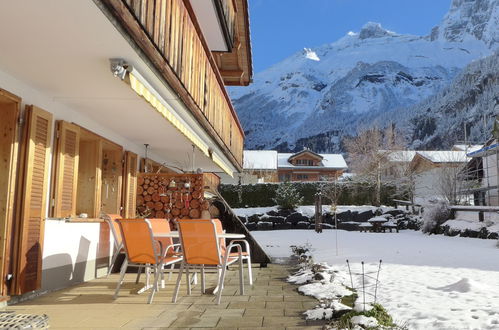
[[174, 247], [246, 244], [237, 246]]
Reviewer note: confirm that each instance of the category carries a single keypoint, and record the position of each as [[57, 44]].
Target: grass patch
[[349, 300], [378, 312]]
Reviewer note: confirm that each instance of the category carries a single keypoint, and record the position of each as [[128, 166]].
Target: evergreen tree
[[287, 197]]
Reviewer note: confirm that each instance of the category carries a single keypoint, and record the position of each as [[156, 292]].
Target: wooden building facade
[[91, 94], [268, 166], [307, 165]]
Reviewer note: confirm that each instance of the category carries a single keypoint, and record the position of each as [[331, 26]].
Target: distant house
[[307, 165], [262, 166], [396, 162], [432, 171], [483, 170]]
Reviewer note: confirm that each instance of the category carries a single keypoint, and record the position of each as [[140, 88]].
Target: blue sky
[[279, 28]]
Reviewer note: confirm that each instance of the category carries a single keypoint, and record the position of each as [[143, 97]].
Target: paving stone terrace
[[270, 303]]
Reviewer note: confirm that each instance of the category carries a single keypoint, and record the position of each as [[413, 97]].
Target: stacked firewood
[[171, 196]]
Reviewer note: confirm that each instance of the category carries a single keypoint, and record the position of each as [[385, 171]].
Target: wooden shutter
[[130, 191], [34, 202], [9, 143], [66, 170]]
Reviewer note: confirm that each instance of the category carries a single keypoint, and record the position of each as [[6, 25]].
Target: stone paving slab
[[270, 303]]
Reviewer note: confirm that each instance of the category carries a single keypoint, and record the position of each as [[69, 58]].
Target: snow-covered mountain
[[318, 95], [471, 102]]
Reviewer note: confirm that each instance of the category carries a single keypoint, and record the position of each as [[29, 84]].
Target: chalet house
[[91, 94], [307, 165], [431, 170], [267, 166]]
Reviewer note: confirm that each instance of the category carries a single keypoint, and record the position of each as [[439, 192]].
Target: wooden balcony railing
[[171, 27]]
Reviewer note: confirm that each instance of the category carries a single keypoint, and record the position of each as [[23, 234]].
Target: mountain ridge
[[329, 89]]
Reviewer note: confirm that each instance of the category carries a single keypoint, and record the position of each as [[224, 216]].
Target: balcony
[[167, 32]]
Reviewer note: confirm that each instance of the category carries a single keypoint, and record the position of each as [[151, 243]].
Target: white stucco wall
[[490, 179], [426, 185]]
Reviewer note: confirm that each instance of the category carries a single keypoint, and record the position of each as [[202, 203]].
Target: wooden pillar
[[318, 212]]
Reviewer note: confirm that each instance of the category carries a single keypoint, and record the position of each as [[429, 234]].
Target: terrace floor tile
[[270, 303]]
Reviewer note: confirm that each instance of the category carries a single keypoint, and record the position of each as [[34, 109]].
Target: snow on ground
[[469, 220], [427, 282], [308, 210]]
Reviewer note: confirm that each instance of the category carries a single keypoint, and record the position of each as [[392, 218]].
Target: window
[[305, 162], [89, 174], [284, 177], [302, 176]]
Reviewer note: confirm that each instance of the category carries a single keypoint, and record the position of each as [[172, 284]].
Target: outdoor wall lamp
[[119, 68]]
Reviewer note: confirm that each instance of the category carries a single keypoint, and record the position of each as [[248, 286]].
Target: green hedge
[[261, 195]]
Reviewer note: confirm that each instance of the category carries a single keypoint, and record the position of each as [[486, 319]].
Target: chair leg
[[241, 277], [250, 272], [122, 276], [172, 267], [139, 271], [194, 279], [177, 286], [221, 283], [113, 261], [148, 274], [188, 280], [157, 273], [203, 283], [162, 279]]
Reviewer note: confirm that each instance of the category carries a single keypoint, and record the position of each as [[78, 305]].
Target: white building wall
[[426, 185], [243, 178], [491, 179]]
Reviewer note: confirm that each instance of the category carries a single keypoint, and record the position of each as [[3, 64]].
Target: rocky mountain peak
[[470, 19], [374, 30]]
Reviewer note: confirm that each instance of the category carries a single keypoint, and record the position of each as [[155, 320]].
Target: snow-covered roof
[[260, 160], [444, 156], [489, 147], [335, 161], [469, 148], [399, 155]]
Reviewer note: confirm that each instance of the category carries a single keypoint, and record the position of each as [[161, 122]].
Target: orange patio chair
[[201, 247], [143, 250], [118, 242], [246, 254]]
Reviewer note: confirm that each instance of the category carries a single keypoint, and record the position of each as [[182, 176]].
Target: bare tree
[[369, 152], [450, 182], [401, 173]]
